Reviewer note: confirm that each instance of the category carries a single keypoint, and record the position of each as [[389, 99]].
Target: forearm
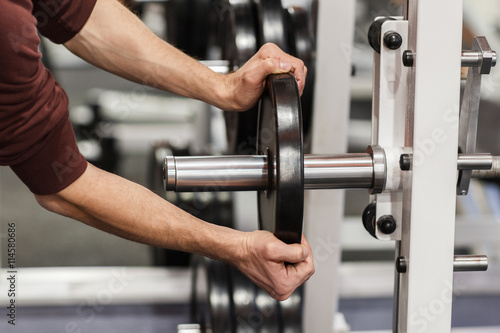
[[113, 204], [118, 206], [115, 40]]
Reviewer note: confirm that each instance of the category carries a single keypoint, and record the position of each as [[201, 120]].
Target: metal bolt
[[405, 162], [408, 58], [392, 40], [386, 224], [401, 265]]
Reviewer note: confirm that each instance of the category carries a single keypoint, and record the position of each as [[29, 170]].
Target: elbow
[[51, 203]]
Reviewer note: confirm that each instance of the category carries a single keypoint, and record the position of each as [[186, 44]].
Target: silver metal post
[[493, 172], [475, 161], [250, 172], [467, 263], [472, 58]]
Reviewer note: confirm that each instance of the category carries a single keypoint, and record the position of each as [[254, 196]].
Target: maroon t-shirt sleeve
[[60, 20], [55, 166], [36, 137]]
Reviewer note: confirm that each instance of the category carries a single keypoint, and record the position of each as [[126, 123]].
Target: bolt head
[[386, 224], [408, 58], [401, 264], [405, 162], [392, 40]]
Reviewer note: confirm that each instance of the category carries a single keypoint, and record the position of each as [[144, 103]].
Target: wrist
[[223, 93]]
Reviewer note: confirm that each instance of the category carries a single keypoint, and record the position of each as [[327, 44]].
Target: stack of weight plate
[[246, 25], [225, 301]]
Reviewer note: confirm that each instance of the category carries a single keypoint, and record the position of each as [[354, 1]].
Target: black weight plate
[[211, 296], [302, 46], [240, 39], [279, 137], [271, 23], [200, 302], [270, 27]]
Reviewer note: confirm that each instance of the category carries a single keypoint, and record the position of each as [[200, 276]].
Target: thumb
[[274, 66], [292, 253], [285, 66]]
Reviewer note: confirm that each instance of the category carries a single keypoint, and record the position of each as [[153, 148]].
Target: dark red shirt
[[36, 137]]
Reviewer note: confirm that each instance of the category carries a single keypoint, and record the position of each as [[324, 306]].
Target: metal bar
[[468, 263], [215, 173], [493, 172], [338, 171], [471, 58], [475, 161], [249, 172]]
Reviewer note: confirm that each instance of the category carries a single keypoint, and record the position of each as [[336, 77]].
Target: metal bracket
[[480, 60], [388, 120]]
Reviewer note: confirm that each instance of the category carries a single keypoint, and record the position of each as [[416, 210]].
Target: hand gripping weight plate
[[279, 137]]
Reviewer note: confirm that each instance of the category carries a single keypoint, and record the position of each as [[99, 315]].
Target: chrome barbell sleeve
[[215, 173], [250, 172]]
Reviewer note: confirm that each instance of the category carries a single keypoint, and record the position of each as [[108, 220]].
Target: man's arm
[[118, 206], [114, 39], [117, 41]]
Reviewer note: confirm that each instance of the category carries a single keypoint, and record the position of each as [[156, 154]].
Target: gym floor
[[361, 314]]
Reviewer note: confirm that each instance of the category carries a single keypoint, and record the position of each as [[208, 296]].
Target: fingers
[[265, 264], [292, 253], [275, 61]]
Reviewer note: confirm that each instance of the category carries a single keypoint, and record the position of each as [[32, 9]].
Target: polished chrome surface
[[493, 172], [212, 173], [471, 58], [338, 171], [474, 162], [250, 172], [379, 169], [467, 133], [465, 263]]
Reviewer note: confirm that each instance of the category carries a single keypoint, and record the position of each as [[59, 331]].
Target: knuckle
[[270, 64], [269, 46], [269, 250]]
